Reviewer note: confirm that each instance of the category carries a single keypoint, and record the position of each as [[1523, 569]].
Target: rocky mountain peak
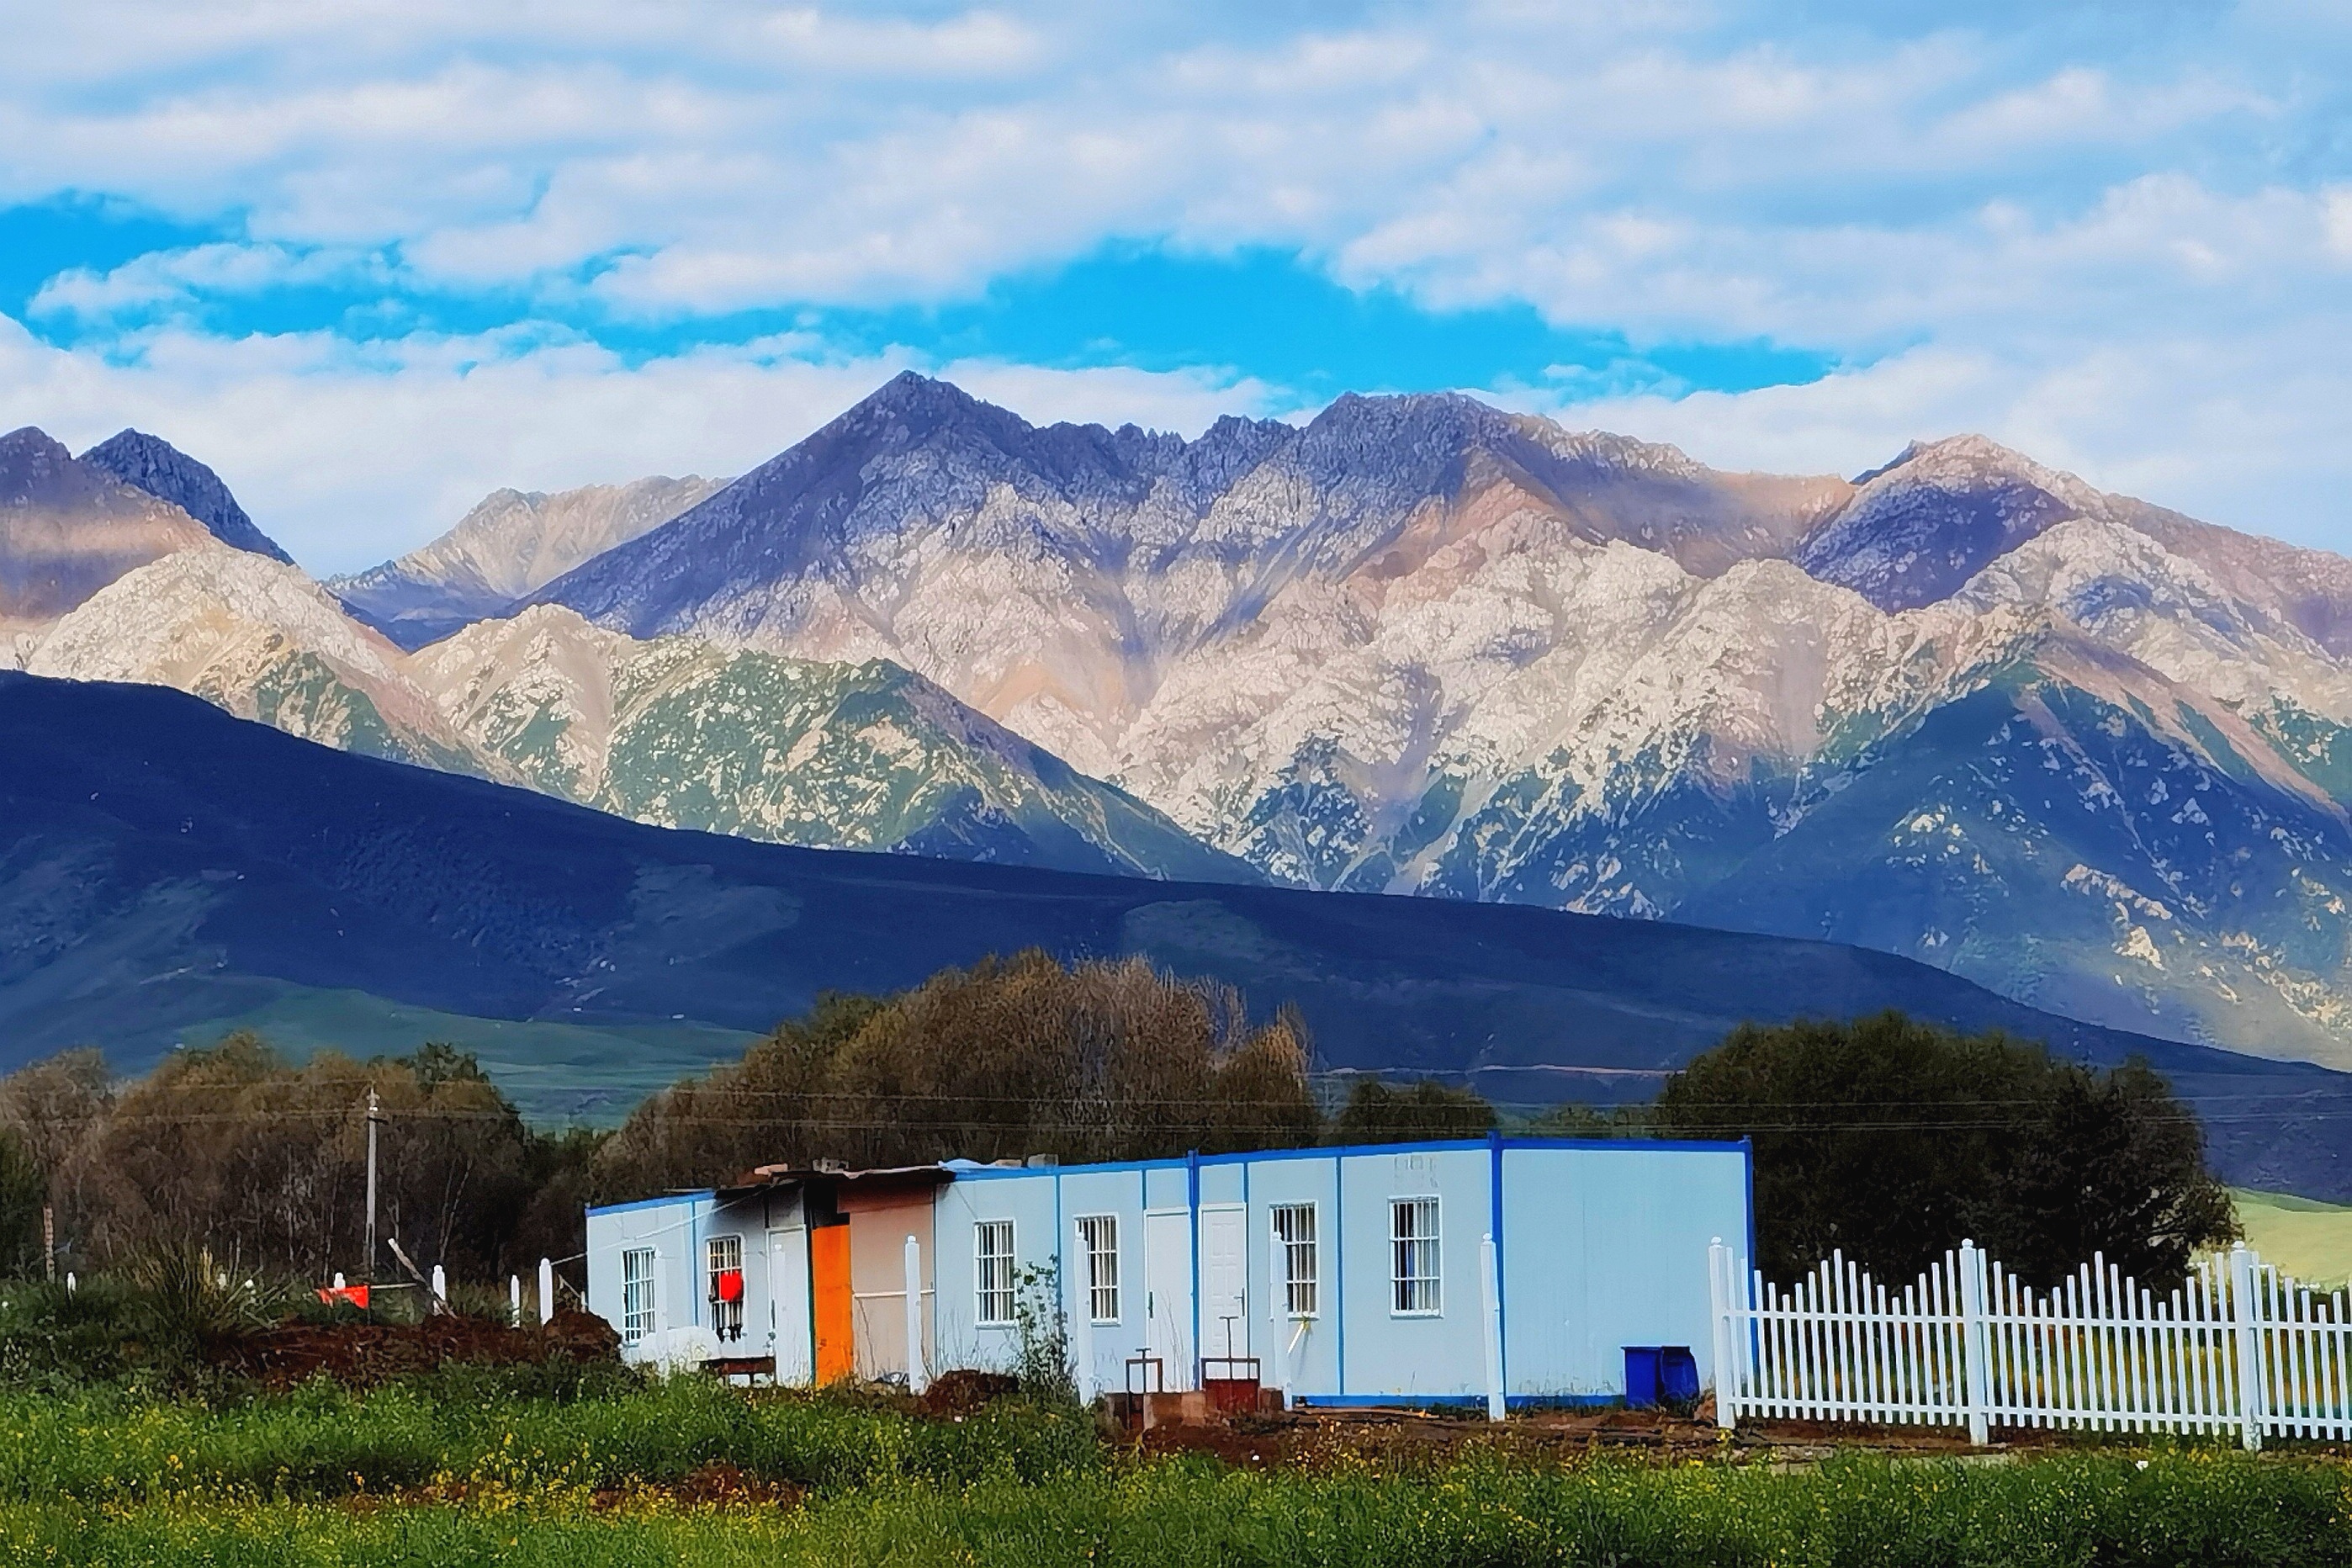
[[33, 465], [151, 464], [1916, 529], [912, 394], [1978, 461]]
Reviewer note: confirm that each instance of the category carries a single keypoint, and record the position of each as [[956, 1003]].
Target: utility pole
[[374, 1117]]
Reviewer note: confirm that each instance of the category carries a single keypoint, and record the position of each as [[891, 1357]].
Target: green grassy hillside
[[2312, 1241]]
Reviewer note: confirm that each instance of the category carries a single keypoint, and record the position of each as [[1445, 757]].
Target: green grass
[[2311, 1240], [323, 1443], [446, 1471], [2219, 1511]]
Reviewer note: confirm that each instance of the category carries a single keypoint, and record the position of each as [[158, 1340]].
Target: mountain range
[[172, 871], [1962, 708]]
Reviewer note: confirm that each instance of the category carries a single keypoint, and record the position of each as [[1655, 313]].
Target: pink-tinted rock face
[[69, 528]]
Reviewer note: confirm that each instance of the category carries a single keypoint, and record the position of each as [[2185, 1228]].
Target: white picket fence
[[2239, 1347]]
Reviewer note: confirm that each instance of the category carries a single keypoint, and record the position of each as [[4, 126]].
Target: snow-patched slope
[[1058, 579]]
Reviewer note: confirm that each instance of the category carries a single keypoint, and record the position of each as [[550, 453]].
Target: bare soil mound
[[361, 1352]]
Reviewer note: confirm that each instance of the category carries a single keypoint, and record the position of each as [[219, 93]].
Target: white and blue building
[[1410, 1272]]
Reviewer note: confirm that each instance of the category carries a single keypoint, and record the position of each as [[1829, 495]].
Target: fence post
[[1727, 1371], [2248, 1343], [915, 1380], [1976, 1345], [546, 1291], [514, 1301], [1490, 1275]]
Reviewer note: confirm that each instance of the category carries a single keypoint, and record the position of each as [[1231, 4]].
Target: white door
[[1168, 1293], [789, 1329], [1224, 1282]]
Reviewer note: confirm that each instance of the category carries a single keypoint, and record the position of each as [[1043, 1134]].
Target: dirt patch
[[359, 1353], [961, 1392], [1406, 1440], [721, 1484]]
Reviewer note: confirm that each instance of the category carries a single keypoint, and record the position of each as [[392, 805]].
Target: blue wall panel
[[1605, 1247]]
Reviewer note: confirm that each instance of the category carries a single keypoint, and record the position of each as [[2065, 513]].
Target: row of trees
[[264, 1161], [1885, 1137]]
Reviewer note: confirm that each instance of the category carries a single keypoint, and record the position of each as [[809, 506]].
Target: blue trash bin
[[1657, 1373], [1642, 1375]]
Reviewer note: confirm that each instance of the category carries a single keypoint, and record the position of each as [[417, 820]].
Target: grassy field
[[2077, 1509], [2312, 1241], [450, 1471]]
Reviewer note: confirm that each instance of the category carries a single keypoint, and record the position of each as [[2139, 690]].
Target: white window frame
[[1098, 1238], [1416, 1257], [640, 1303], [726, 1316], [1302, 1259], [989, 1288]]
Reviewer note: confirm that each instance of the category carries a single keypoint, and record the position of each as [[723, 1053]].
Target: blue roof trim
[[1482, 1146], [665, 1201], [1633, 1145]]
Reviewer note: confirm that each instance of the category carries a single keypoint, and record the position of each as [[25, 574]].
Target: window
[[636, 1294], [1099, 1233], [726, 1257], [992, 1252], [1413, 1254], [1294, 1230]]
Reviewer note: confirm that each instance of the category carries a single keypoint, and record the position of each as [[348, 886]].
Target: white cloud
[[164, 278], [2110, 238]]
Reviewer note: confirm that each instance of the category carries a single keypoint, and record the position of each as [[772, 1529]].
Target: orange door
[[836, 1347]]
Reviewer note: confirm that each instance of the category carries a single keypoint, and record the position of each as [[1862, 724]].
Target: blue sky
[[372, 261]]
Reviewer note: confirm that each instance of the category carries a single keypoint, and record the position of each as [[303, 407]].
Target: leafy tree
[[1891, 1140], [1012, 1056], [1379, 1112]]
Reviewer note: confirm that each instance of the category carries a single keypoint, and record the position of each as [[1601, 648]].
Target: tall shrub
[[1891, 1140]]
